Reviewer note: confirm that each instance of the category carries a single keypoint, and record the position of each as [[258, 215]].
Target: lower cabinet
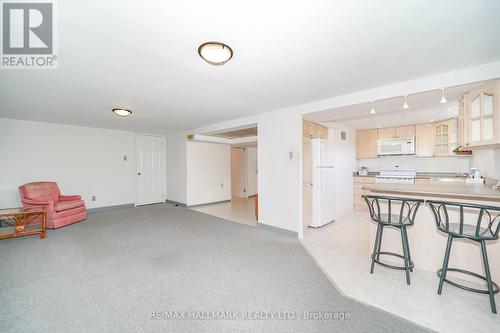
[[358, 183]]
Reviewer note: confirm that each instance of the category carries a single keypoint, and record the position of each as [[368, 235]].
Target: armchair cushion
[[60, 206], [69, 197], [41, 191]]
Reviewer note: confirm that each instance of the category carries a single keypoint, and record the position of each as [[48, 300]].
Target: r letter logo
[[28, 35]]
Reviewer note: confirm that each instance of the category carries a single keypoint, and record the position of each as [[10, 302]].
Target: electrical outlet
[[93, 198], [221, 185]]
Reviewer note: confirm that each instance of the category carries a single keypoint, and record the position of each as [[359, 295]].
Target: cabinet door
[[423, 145], [462, 139], [366, 144], [323, 133], [405, 131], [475, 119], [487, 118], [306, 129], [386, 133]]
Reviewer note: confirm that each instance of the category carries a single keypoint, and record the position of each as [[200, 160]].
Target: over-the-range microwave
[[396, 146]]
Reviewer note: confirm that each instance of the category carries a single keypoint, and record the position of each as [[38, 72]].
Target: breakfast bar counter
[[461, 191], [426, 242]]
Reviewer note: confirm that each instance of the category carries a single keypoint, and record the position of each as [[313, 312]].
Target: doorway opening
[[243, 205]]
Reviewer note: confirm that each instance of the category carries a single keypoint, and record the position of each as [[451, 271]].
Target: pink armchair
[[61, 210]]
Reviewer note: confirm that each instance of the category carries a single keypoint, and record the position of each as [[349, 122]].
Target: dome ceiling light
[[215, 53], [122, 112]]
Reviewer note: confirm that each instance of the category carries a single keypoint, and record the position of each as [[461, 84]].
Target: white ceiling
[[423, 107], [143, 55]]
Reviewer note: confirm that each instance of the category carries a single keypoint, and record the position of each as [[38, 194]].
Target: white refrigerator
[[323, 182]]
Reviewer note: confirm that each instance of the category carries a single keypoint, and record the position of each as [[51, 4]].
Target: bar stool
[[485, 228], [385, 218]]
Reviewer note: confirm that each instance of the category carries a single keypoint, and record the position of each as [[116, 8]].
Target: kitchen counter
[[462, 191], [421, 175]]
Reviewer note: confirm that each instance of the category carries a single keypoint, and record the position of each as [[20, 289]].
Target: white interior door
[[150, 169], [251, 182], [238, 171]]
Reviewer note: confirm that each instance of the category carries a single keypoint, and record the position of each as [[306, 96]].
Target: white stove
[[396, 177]]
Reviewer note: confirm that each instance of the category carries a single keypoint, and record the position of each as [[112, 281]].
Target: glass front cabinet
[[445, 137], [481, 111]]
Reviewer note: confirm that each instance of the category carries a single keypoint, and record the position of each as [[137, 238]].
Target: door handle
[[138, 173]]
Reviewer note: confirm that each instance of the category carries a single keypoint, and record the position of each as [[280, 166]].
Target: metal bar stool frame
[[406, 217], [482, 232]]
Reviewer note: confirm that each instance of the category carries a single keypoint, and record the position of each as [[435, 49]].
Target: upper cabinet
[[445, 137], [312, 130], [366, 144], [481, 113], [424, 134], [386, 133], [405, 131], [396, 132]]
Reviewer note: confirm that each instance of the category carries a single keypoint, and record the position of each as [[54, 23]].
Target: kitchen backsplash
[[420, 164]]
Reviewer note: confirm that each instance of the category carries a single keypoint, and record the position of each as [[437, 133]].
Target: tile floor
[[238, 210], [342, 251]]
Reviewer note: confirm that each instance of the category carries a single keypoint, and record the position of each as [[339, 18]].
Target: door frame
[[164, 165]]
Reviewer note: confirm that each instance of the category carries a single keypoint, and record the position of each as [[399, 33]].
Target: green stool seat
[[486, 227], [406, 210]]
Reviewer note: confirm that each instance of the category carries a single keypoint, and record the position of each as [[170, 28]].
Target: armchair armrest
[[69, 197], [36, 202]]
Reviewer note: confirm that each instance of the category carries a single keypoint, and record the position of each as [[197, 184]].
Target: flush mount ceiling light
[[215, 53], [372, 111], [122, 112], [405, 106], [443, 99]]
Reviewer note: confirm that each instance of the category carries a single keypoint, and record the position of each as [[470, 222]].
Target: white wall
[[345, 163], [280, 178], [82, 160], [176, 167], [420, 164], [208, 172], [488, 162]]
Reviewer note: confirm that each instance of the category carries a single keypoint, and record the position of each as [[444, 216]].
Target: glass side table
[[22, 221]]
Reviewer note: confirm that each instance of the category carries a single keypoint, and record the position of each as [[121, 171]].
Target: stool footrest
[[461, 286], [375, 254]]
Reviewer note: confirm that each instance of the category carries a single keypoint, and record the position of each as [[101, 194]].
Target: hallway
[[238, 210]]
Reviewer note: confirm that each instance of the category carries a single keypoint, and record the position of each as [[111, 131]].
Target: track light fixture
[[443, 99]]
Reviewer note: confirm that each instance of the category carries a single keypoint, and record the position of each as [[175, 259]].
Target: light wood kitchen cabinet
[[462, 129], [366, 144], [386, 133], [482, 116], [445, 137], [396, 132], [312, 130], [358, 183], [423, 140], [405, 131]]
